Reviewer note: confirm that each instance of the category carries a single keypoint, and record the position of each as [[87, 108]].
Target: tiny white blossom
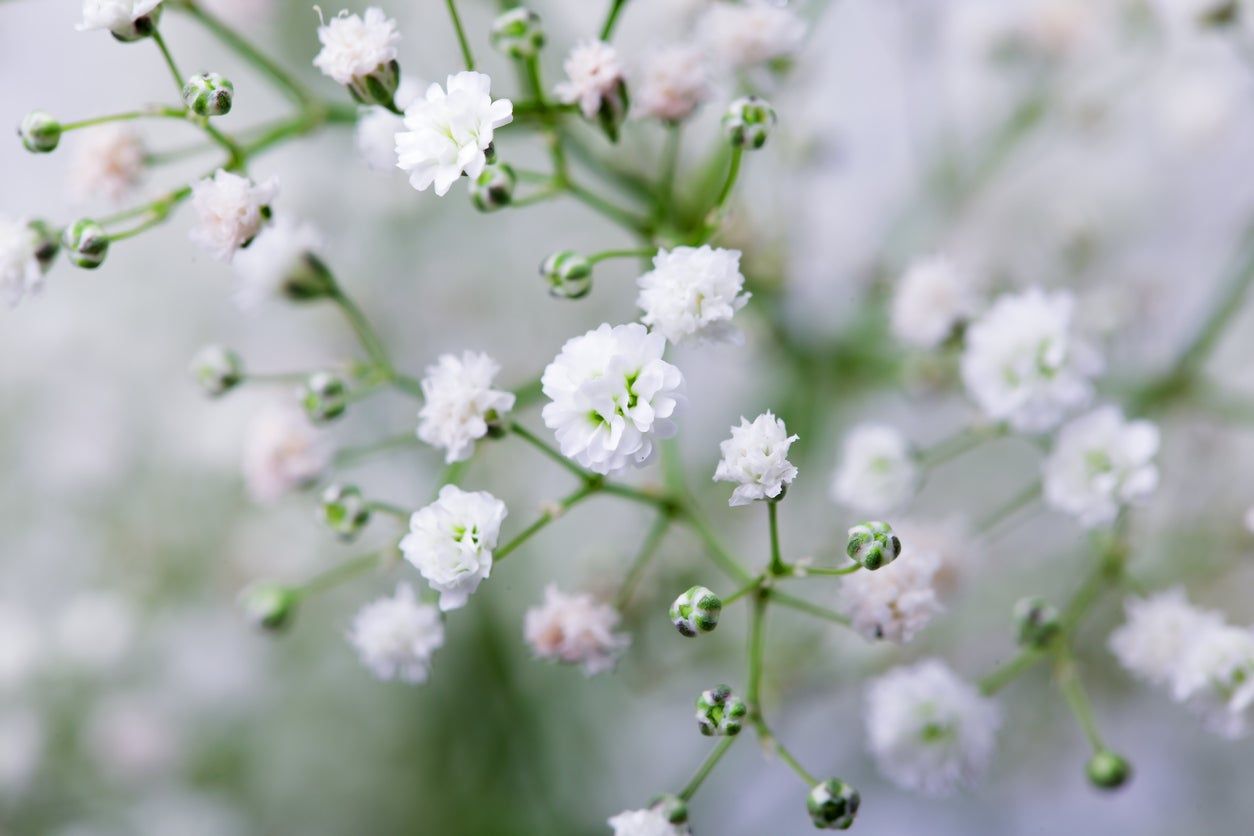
[[395, 637], [283, 451], [1100, 463], [118, 16], [645, 823], [270, 260], [593, 73], [1215, 678], [1157, 633], [1023, 363], [931, 299], [20, 271], [929, 730], [673, 82], [354, 46], [693, 293], [450, 542], [877, 471], [576, 630], [108, 161], [755, 457], [612, 395], [377, 127], [753, 32], [449, 131], [229, 210], [896, 601], [458, 397]]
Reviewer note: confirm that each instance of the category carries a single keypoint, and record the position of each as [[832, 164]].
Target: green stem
[[802, 605], [611, 19], [114, 117], [706, 767], [258, 59], [1005, 674], [649, 548], [337, 575], [743, 591], [827, 571], [777, 562], [1077, 700], [365, 332], [236, 155], [157, 219], [604, 255], [179, 78], [389, 509], [609, 210], [547, 517], [1008, 509], [714, 217], [956, 445], [670, 161], [721, 557], [788, 758], [543, 446], [349, 456], [467, 55], [757, 650]]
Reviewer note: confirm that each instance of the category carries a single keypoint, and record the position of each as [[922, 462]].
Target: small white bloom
[[1158, 631], [931, 299], [1101, 462], [1215, 678], [395, 637], [108, 161], [375, 137], [450, 130], [451, 541], [949, 540], [458, 396], [877, 471], [929, 730], [645, 823], [355, 46], [283, 451], [756, 457], [693, 293], [94, 630], [266, 265], [229, 209], [118, 16], [896, 601], [1023, 363], [753, 32], [612, 395], [20, 271], [673, 83], [575, 629], [592, 75]]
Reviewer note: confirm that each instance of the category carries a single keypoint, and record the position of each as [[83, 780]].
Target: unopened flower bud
[[344, 511], [833, 805], [1037, 622], [614, 108], [208, 94], [137, 28], [324, 397], [86, 244], [518, 33], [269, 605], [494, 188], [49, 243], [873, 544], [377, 87], [720, 712], [1108, 771], [748, 122], [673, 808], [568, 273], [40, 132], [217, 369], [696, 611]]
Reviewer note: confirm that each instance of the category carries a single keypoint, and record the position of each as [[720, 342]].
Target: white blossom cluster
[[575, 630], [450, 542], [459, 401]]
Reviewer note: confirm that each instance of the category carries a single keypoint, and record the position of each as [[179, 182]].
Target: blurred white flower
[[22, 739], [94, 630], [756, 458], [20, 271], [129, 736], [1157, 633], [1215, 678], [450, 542], [1023, 363], [592, 75], [576, 630], [354, 46], [930, 301], [894, 602], [673, 82], [377, 127], [1099, 463], [265, 266], [645, 823], [928, 729], [458, 397], [396, 637], [1186, 17], [949, 540], [612, 394], [118, 16], [229, 211], [877, 471], [20, 647], [283, 451], [693, 293], [449, 131], [753, 32], [107, 161]]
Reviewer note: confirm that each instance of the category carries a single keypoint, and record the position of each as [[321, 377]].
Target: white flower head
[[575, 630], [283, 451], [612, 395], [693, 293], [20, 270], [650, 822], [877, 471], [894, 602], [593, 74], [932, 298], [1152, 642], [1100, 463], [673, 82], [354, 46], [753, 32], [395, 637], [279, 251], [756, 458], [118, 16], [108, 161], [1023, 363], [459, 399], [230, 211], [449, 131], [1215, 678], [929, 730], [450, 542]]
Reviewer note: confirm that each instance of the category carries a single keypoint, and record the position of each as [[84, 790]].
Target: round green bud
[[673, 808], [86, 244], [568, 273], [269, 605], [48, 243], [377, 87], [139, 28], [40, 132], [696, 611], [873, 544], [494, 187], [720, 712], [344, 511], [1037, 622], [324, 396], [748, 122], [208, 94], [833, 805], [1108, 771], [217, 370], [518, 33]]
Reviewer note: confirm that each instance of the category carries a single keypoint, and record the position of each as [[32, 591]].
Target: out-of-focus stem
[[707, 766], [462, 42], [544, 519], [649, 548]]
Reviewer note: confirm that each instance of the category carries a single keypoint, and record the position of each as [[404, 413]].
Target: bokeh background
[[1098, 146]]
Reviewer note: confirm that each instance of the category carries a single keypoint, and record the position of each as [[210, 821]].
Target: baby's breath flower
[[931, 300], [894, 602], [575, 630], [594, 77], [395, 637], [282, 262], [282, 452], [650, 822], [108, 161], [693, 293], [360, 53], [231, 210], [877, 471], [755, 457], [753, 32], [1215, 678], [1157, 633], [128, 20], [673, 82], [1100, 463], [377, 127], [451, 541], [21, 272], [459, 402]]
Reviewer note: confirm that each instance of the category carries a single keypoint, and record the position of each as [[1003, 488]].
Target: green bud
[[86, 244], [748, 122], [673, 808], [324, 397], [269, 605], [568, 273], [344, 511], [1108, 771], [377, 87], [139, 28], [208, 94], [873, 544], [494, 188], [518, 33], [696, 611], [720, 712], [40, 132], [833, 805], [217, 369], [1037, 622], [613, 110]]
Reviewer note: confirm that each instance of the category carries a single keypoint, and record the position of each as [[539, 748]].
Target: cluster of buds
[[40, 132], [344, 511], [748, 122], [208, 94], [873, 544], [1037, 622], [1108, 771], [568, 274], [833, 805], [269, 605], [696, 611], [518, 33], [324, 397], [217, 370], [720, 712], [494, 187], [86, 244]]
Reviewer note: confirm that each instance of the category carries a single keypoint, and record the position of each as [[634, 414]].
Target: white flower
[[451, 541], [896, 601], [396, 637], [266, 265], [877, 472], [94, 630], [1023, 364], [283, 451], [693, 292], [592, 75], [929, 730], [645, 823], [931, 299], [20, 271], [1157, 633], [756, 457], [229, 209], [1101, 462], [1215, 678], [673, 82], [753, 32], [354, 47], [458, 396], [576, 630], [1185, 17], [118, 16], [377, 127], [949, 540], [612, 394], [108, 161]]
